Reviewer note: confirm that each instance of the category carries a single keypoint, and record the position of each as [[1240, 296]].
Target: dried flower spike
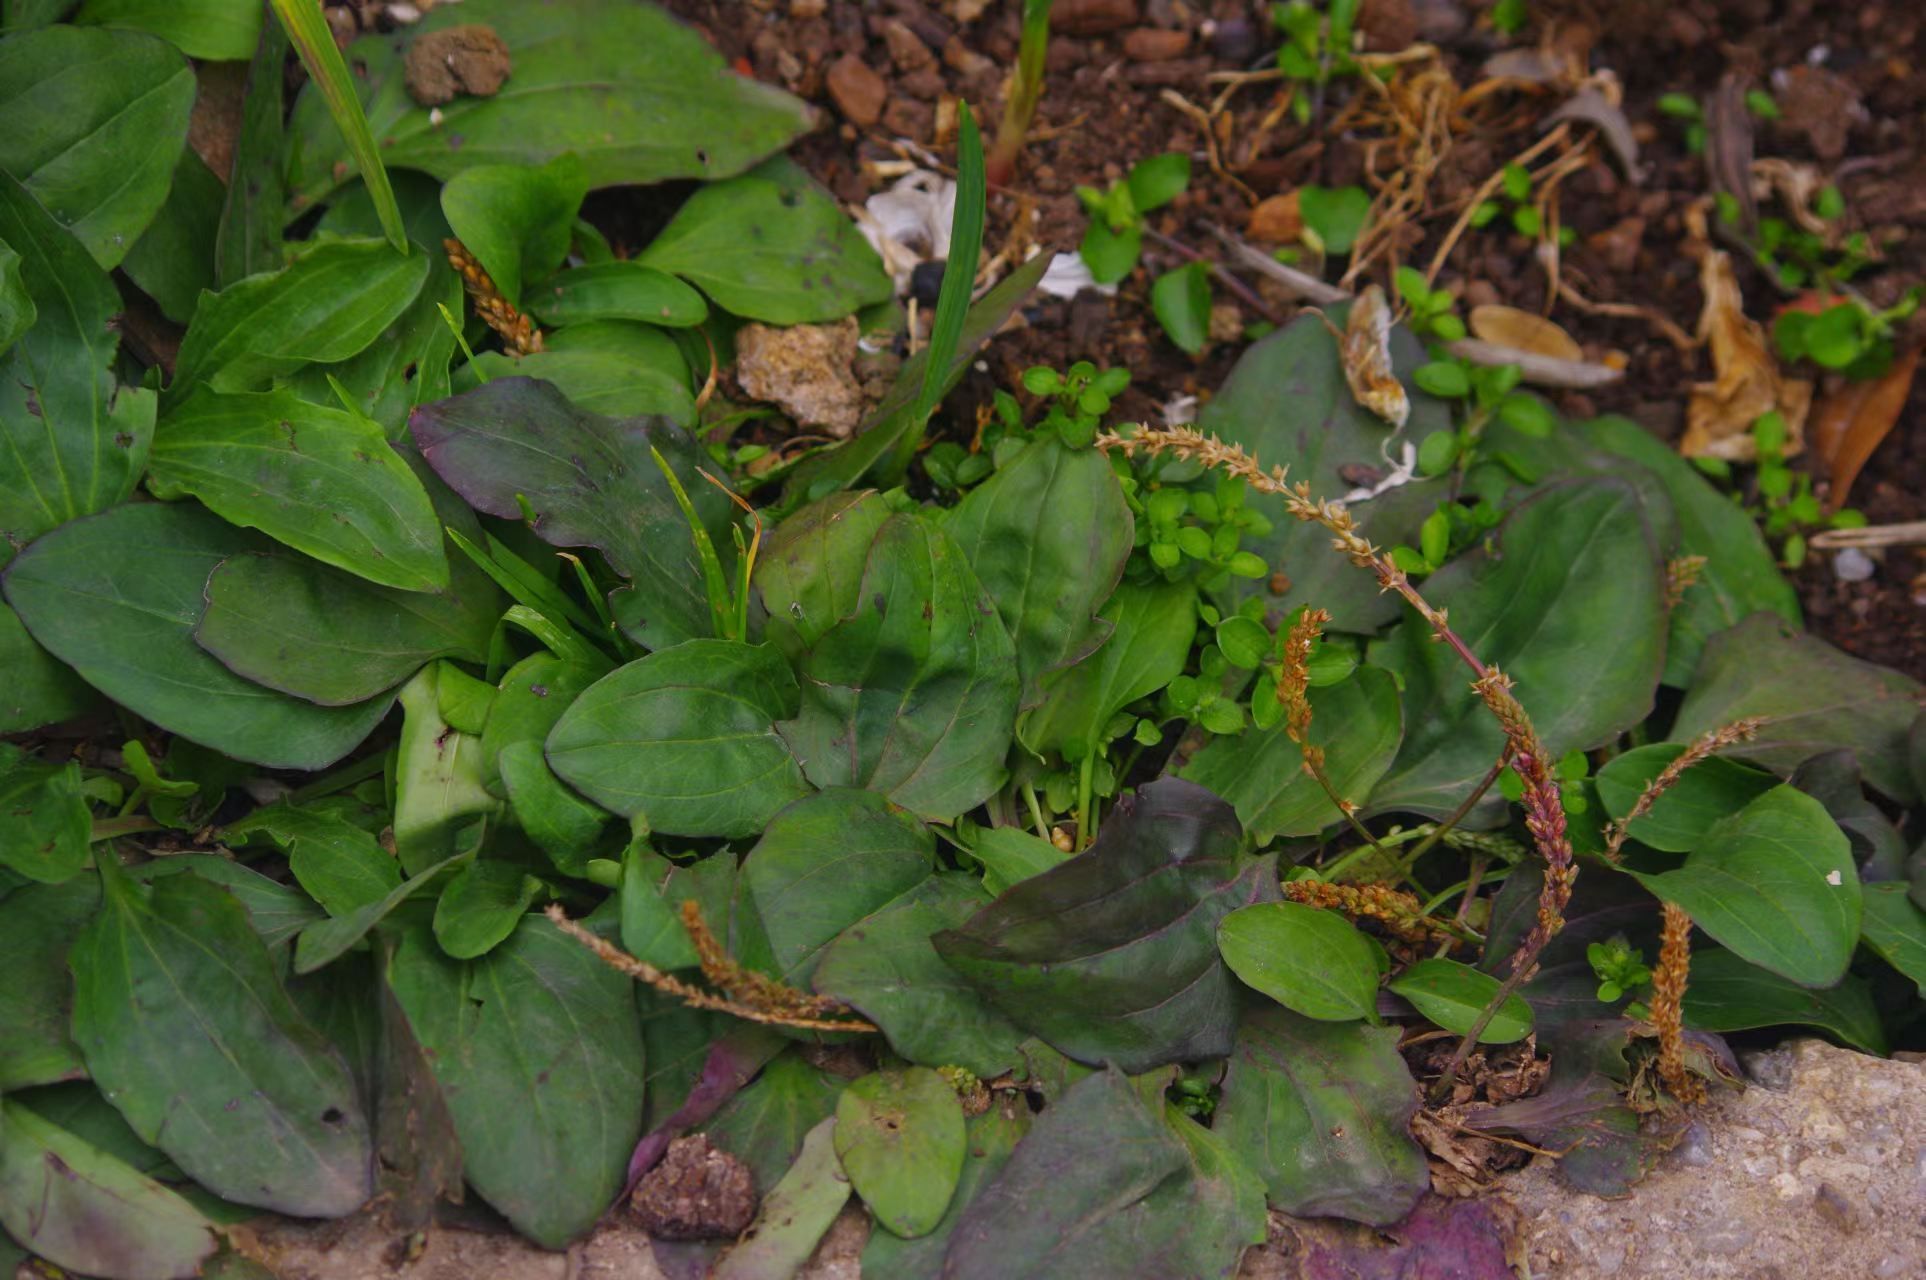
[[1668, 1005], [516, 329]]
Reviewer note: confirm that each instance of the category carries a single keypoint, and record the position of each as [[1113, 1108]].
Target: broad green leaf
[[116, 596], [895, 415], [48, 827], [1814, 698], [40, 689], [795, 1215], [1104, 1185], [1112, 956], [17, 310], [1708, 791], [534, 694], [884, 967], [1832, 778], [516, 219], [1180, 299], [276, 911], [95, 122], [565, 827], [341, 866], [991, 1137], [1740, 575], [538, 1050], [298, 626], [1047, 536], [248, 241], [322, 942], [765, 1124], [216, 30], [321, 480], [622, 290], [1895, 929], [37, 926], [481, 906], [1286, 401], [637, 95], [914, 694], [588, 481], [823, 864], [1723, 993], [1774, 883], [1322, 1111], [1568, 603], [81, 1208], [685, 738], [1151, 628], [1010, 855], [334, 298], [615, 367], [1309, 960], [1358, 723], [174, 258], [771, 246], [810, 570], [439, 798], [653, 891], [186, 1028], [899, 1136], [1455, 996], [72, 441]]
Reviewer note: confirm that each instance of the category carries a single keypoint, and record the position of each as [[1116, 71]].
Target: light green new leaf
[[795, 1215], [1359, 724], [72, 442], [340, 865], [1569, 603], [533, 695], [1151, 630], [439, 797], [481, 906], [538, 1050], [188, 1032], [899, 1135], [321, 480], [685, 738], [217, 30], [624, 290], [47, 828], [95, 121], [1307, 959], [1776, 885], [1895, 929], [116, 596], [296, 625], [637, 95], [771, 246], [1455, 996], [1011, 855], [80, 1208], [1815, 699], [516, 219], [332, 299], [1047, 536], [992, 1136], [914, 694], [565, 827], [37, 927]]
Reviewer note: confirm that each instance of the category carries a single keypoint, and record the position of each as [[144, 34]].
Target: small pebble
[[1852, 565]]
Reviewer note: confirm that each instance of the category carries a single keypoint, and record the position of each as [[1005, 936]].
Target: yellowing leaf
[[1365, 347], [1746, 381], [1523, 331]]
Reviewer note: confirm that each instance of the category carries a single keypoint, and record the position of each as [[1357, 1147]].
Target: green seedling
[[1433, 312], [1026, 90], [1316, 49], [1526, 218], [1115, 237], [1685, 109], [1508, 16], [1196, 533], [1847, 336], [1795, 256], [1334, 217], [1621, 971], [1785, 506]]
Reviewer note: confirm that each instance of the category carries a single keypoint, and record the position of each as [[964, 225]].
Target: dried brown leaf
[[1365, 347], [1746, 382], [1850, 423], [1523, 331]]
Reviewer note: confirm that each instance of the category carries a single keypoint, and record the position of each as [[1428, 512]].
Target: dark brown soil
[[1861, 119]]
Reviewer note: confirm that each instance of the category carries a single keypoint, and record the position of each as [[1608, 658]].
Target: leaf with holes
[[899, 1135]]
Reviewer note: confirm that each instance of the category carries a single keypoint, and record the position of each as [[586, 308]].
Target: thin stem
[[113, 828], [340, 779], [1036, 810], [1086, 786], [1458, 814]]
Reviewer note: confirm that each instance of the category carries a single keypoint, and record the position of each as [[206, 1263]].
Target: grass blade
[[315, 43]]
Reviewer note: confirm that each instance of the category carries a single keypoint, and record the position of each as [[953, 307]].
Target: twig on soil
[[1204, 121], [1304, 285], [1243, 291], [1539, 370], [1557, 137], [1666, 326], [1906, 533]]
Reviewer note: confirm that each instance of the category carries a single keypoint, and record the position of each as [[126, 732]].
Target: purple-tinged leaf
[[1112, 955], [1460, 1239], [732, 1062], [590, 482]]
